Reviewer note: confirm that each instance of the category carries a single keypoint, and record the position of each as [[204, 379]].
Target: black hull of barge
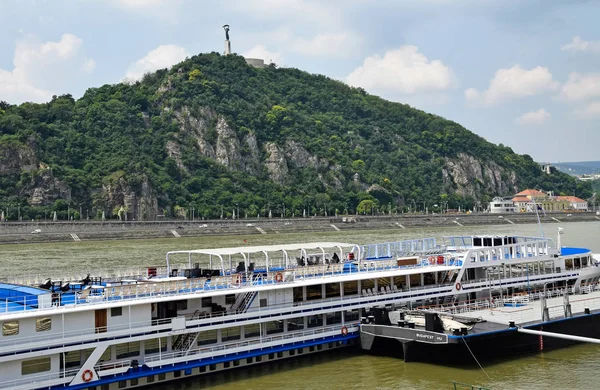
[[488, 346]]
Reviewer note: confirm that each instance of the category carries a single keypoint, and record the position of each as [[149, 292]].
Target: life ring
[[279, 277], [431, 260], [458, 286], [87, 375], [344, 331]]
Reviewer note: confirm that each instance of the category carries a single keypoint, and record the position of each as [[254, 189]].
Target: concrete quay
[[39, 231]]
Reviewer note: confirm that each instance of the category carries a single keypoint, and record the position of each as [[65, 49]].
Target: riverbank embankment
[[38, 231]]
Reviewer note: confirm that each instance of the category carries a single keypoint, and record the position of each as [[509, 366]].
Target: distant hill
[[579, 168], [219, 137]]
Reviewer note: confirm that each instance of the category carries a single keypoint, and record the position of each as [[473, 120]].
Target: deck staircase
[[244, 301], [183, 341]]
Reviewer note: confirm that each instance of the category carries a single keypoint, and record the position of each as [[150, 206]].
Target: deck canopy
[[225, 255]]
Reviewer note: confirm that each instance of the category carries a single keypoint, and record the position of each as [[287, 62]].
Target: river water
[[569, 368]]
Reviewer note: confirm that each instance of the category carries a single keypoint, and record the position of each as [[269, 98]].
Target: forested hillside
[[217, 135]]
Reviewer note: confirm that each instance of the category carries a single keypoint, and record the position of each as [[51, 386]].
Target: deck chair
[[83, 294]]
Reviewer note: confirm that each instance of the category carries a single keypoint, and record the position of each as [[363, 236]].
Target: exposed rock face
[[217, 140], [44, 188], [300, 157], [228, 146], [252, 158], [470, 177], [16, 157], [197, 126], [140, 205], [276, 163], [174, 151]]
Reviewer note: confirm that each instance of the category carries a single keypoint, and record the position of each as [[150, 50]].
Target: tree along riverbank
[[32, 232]]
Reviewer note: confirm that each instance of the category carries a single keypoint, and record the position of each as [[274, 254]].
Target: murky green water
[[569, 368]]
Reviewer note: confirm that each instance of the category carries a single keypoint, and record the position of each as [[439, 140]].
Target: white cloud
[[591, 110], [163, 56], [514, 82], [578, 44], [261, 51], [404, 70], [581, 86], [44, 69], [327, 44], [533, 117]]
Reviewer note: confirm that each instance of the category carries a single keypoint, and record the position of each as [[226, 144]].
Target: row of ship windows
[[11, 328], [213, 367]]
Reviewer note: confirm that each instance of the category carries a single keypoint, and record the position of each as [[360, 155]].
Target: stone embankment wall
[[21, 232]]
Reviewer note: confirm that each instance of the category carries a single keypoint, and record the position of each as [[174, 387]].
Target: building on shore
[[499, 205], [529, 200]]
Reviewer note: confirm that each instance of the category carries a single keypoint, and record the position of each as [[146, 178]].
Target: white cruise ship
[[213, 310]]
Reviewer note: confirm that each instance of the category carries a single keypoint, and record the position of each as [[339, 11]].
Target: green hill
[[217, 135]]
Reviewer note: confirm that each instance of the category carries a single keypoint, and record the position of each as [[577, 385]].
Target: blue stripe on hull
[[144, 371]]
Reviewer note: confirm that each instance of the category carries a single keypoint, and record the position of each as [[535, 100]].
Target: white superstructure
[[211, 310]]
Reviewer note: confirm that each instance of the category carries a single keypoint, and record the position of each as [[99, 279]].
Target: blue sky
[[522, 73]]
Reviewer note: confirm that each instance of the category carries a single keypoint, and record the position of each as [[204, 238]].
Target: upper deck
[[227, 270]]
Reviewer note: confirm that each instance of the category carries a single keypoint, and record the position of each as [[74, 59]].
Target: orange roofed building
[[526, 201]]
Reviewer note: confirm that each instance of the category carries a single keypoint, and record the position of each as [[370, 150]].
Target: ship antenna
[[537, 214]]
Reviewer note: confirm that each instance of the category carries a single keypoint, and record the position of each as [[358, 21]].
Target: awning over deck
[[245, 251]]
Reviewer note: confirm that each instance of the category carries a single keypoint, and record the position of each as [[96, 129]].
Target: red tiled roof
[[521, 199], [529, 192]]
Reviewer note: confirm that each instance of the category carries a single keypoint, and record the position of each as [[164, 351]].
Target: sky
[[525, 74]]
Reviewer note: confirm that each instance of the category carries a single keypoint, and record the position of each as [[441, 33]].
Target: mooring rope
[[477, 361]]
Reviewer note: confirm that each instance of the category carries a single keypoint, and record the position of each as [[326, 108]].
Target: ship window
[[351, 288], [292, 352], [295, 323], [236, 363], [43, 324], [314, 292], [207, 337], [226, 364], [315, 321], [274, 327], [122, 384], [134, 381], [251, 330], [202, 369], [128, 349], [150, 379], [263, 302], [229, 299], [162, 376], [259, 358], [10, 328], [333, 318], [248, 360], [105, 386], [176, 373], [206, 302], [332, 290], [212, 367], [487, 241], [230, 334], [153, 345], [497, 241], [271, 356], [34, 366], [116, 311], [279, 354], [476, 241]]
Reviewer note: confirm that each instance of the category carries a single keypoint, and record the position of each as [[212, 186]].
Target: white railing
[[131, 292], [30, 379], [212, 351], [98, 333]]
